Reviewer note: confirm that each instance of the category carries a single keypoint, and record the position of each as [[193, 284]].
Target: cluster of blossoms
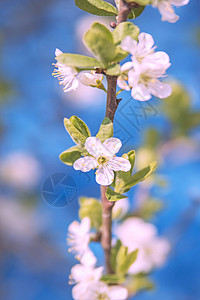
[[134, 233], [85, 276], [144, 69]]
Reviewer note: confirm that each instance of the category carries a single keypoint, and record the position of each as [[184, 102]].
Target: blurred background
[[34, 260]]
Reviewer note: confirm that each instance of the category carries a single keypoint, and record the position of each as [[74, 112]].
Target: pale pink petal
[[128, 44], [58, 52], [160, 89], [179, 2], [145, 40], [104, 176], [141, 93], [121, 82], [127, 66], [85, 164], [167, 12], [118, 292], [95, 147], [113, 145], [119, 164]]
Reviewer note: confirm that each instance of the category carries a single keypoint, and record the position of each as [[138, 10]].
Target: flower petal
[[113, 145], [129, 45], [95, 147], [85, 164], [160, 89], [88, 259], [141, 93], [104, 176], [118, 292], [119, 164]]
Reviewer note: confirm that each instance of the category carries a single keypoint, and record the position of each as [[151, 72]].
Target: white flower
[[144, 51], [120, 208], [103, 158], [70, 78], [86, 274], [134, 233], [78, 239], [166, 8], [99, 290], [144, 81], [144, 69]]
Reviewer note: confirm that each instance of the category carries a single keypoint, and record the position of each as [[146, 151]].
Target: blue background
[[32, 122]]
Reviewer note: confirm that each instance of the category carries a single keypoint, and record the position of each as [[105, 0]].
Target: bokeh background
[[34, 261]]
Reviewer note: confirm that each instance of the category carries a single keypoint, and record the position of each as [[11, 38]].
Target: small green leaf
[[113, 255], [106, 130], [99, 40], [70, 155], [77, 131], [140, 176], [140, 2], [79, 61], [136, 12], [122, 178], [125, 260], [138, 283], [120, 54], [91, 208], [113, 196], [97, 7], [114, 70], [112, 279], [124, 29], [80, 125]]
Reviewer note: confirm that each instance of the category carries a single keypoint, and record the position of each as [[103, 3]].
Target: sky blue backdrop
[[31, 30]]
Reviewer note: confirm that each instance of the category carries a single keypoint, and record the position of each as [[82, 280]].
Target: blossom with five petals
[[103, 158]]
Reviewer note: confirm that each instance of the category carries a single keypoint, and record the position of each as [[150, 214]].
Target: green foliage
[[99, 40], [140, 2], [125, 29], [114, 70], [78, 61], [120, 54], [149, 208], [77, 129], [138, 283], [70, 155], [113, 196], [123, 177], [106, 130], [97, 7], [177, 107], [91, 208], [140, 176], [136, 12], [113, 279], [113, 255], [124, 260]]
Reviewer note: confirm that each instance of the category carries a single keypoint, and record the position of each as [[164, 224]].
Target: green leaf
[[125, 260], [97, 7], [113, 255], [80, 125], [120, 54], [77, 129], [114, 70], [112, 279], [124, 29], [91, 208], [106, 130], [138, 283], [122, 178], [113, 196], [140, 2], [136, 12], [79, 61], [140, 176], [70, 155], [99, 40]]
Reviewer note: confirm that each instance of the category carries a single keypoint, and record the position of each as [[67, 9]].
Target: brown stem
[[111, 107], [106, 227], [111, 104]]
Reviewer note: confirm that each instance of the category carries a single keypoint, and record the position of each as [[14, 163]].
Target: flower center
[[102, 160]]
